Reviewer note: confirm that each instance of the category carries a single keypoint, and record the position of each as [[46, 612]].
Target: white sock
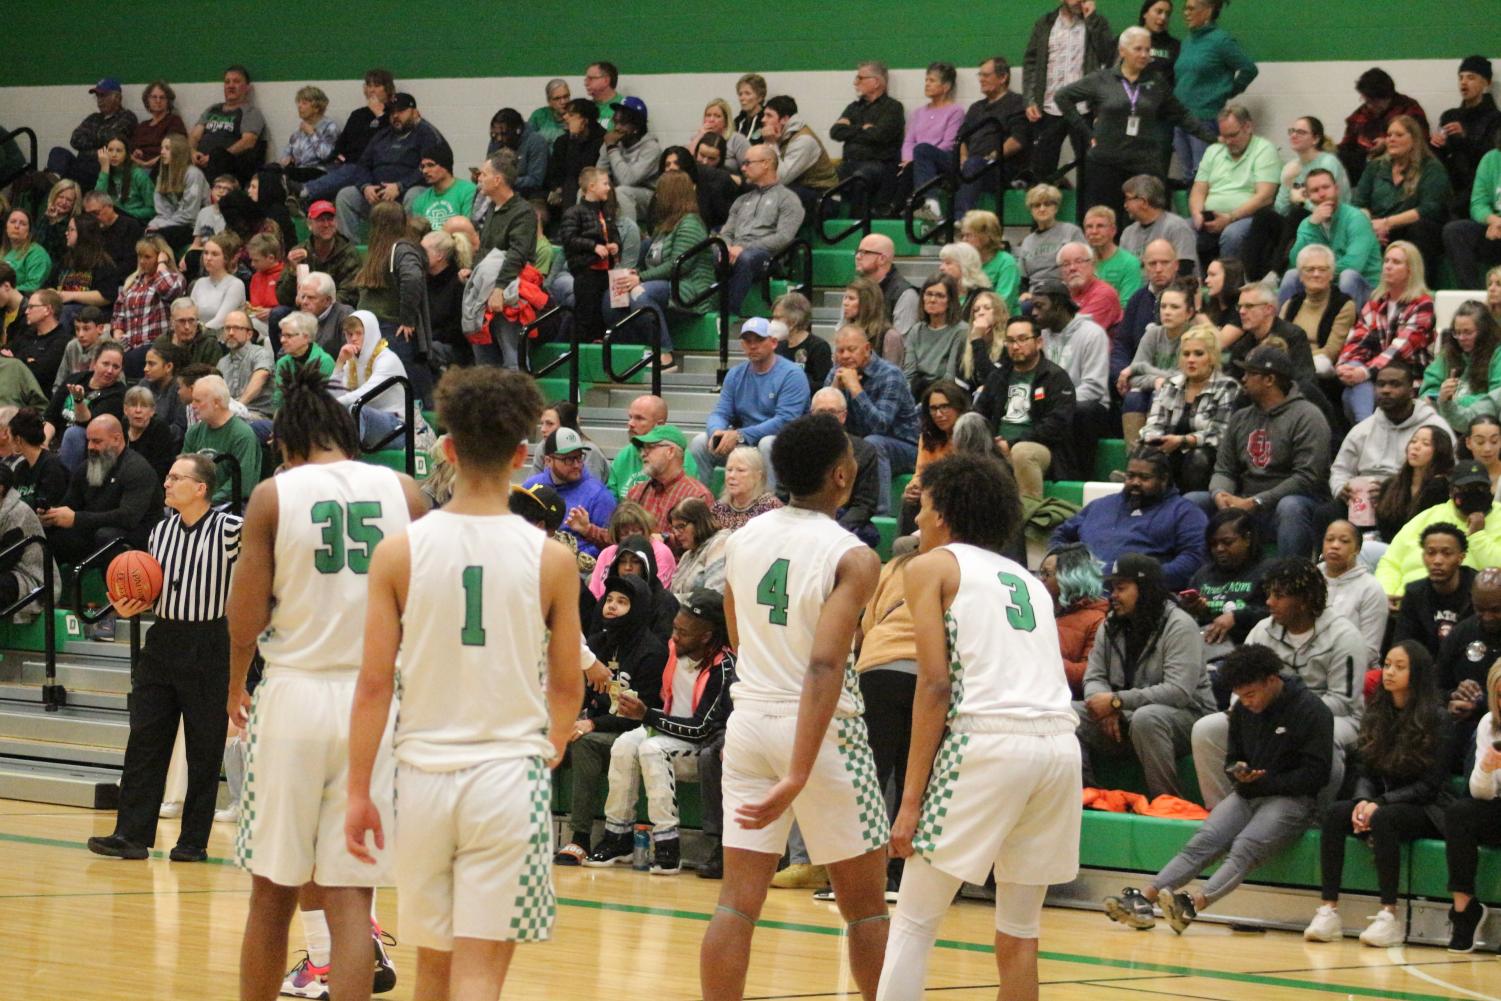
[[315, 931]]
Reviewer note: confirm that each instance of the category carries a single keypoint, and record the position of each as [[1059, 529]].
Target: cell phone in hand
[[1189, 596], [1235, 769]]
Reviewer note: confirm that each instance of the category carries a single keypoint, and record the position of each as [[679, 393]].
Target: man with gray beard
[[114, 495]]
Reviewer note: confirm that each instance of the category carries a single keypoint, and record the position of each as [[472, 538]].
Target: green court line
[[1258, 979]]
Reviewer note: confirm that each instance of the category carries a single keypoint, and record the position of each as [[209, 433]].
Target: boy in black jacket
[[1280, 755]]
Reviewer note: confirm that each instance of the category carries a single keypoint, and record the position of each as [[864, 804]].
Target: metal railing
[[54, 696], [859, 189], [99, 560], [236, 478], [569, 357], [408, 430], [652, 357], [28, 162], [720, 286]]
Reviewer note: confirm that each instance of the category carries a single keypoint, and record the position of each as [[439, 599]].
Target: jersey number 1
[[473, 633], [343, 524], [772, 592], [1019, 610]]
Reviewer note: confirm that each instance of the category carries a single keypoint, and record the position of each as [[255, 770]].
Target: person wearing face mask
[[1471, 507]]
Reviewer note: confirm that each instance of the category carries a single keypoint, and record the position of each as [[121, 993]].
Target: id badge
[[1133, 125]]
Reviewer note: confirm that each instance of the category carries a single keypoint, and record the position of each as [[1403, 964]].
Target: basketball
[[133, 574]]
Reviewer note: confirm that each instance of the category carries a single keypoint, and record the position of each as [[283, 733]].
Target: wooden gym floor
[[76, 926]]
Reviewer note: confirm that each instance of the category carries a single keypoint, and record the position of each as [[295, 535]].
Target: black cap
[[403, 102], [1136, 567], [702, 603], [1469, 474], [1268, 359], [440, 153], [539, 502], [1479, 65], [1053, 288]]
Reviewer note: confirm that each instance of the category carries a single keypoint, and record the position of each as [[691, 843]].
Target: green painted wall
[[458, 38]]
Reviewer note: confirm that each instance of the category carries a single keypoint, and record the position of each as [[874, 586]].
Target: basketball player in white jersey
[[309, 535], [796, 744], [993, 773], [484, 611]]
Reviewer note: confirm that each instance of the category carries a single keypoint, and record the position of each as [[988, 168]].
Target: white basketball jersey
[[472, 672], [781, 567], [330, 517]]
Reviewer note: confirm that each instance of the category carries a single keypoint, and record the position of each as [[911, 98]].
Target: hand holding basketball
[[133, 578]]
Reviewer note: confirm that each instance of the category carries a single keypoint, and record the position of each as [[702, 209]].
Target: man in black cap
[[387, 169], [443, 196], [1146, 683], [1273, 459], [111, 120], [1466, 142], [695, 704]]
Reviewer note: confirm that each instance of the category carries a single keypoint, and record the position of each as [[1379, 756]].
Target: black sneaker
[[187, 853], [826, 894], [1179, 910], [1131, 909], [113, 847], [614, 849], [1463, 925], [667, 858], [713, 867], [384, 975]]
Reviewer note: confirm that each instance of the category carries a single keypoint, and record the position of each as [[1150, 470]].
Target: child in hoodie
[[365, 362]]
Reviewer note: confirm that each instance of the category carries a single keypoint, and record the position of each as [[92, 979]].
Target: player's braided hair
[[310, 417]]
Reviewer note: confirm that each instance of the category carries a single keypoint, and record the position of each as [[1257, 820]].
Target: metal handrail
[[793, 249], [569, 357], [943, 231], [862, 221], [721, 286], [97, 560], [653, 356], [30, 162], [54, 696], [408, 429], [236, 478]]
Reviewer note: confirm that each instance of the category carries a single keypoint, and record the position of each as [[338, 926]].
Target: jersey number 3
[[348, 537], [1019, 610], [772, 592]]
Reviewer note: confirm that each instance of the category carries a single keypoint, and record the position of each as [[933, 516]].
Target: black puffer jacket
[[664, 604], [635, 654], [580, 231]]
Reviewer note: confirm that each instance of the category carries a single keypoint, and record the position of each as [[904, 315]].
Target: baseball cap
[[106, 85], [1137, 567], [705, 604], [403, 102], [539, 502], [564, 441], [318, 210], [756, 326], [1469, 474], [634, 105], [662, 432], [1268, 359], [1053, 288]]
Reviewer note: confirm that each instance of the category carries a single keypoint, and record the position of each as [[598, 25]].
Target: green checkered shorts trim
[[956, 666], [536, 904], [941, 785], [854, 751], [243, 850]]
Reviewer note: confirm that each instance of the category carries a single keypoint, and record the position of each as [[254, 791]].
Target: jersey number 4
[[348, 537], [772, 592], [1019, 609]]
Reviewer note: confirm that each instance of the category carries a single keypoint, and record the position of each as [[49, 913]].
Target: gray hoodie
[[1082, 349], [1332, 663], [1269, 455], [633, 166], [1356, 596], [19, 521], [1169, 672], [1377, 447]]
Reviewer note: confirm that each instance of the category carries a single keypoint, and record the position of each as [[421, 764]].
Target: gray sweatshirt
[[633, 166], [1377, 447], [1356, 596], [1271, 454], [1082, 349], [933, 354], [1332, 663], [1038, 256], [1169, 672], [767, 217]]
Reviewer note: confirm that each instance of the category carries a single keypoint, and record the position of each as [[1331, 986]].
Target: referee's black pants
[[183, 672]]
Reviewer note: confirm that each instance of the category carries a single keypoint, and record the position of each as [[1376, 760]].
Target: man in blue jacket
[[1149, 516], [589, 501], [389, 167], [757, 400]]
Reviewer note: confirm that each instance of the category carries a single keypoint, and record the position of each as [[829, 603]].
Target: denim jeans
[[654, 295], [1291, 521], [375, 425], [750, 267]]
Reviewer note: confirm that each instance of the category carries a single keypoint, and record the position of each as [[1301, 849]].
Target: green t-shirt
[[1005, 279], [438, 209], [1231, 181], [235, 437], [1122, 272], [1016, 419], [315, 356]]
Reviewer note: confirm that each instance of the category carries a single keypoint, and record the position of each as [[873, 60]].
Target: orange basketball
[[133, 574]]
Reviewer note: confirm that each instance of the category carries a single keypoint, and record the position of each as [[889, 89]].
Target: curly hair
[[1247, 664], [1077, 573], [806, 450], [1401, 742], [1297, 577], [977, 499], [931, 435], [488, 412], [1476, 368]]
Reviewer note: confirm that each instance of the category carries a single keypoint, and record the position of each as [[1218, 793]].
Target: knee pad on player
[[1018, 909]]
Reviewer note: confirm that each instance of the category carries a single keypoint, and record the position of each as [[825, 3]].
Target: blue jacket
[[1170, 531], [589, 494], [758, 404], [393, 156], [1141, 309]]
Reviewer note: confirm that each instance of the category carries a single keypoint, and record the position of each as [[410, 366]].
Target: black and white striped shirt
[[196, 564]]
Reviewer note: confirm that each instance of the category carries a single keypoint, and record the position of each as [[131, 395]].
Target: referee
[[183, 671]]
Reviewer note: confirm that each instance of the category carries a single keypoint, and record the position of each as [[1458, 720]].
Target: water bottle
[[641, 848]]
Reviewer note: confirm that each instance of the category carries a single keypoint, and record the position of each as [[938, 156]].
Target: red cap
[[318, 209]]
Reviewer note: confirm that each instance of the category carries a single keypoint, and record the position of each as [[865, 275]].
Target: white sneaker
[[1325, 926], [171, 810], [229, 815], [1383, 932]]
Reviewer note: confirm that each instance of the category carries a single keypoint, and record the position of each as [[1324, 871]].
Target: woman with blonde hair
[[981, 229], [19, 249], [864, 306], [718, 121], [1156, 356], [744, 495], [182, 191], [988, 317], [1406, 191], [1191, 409], [961, 262], [310, 148], [64, 201], [143, 306], [1038, 258], [1396, 322]]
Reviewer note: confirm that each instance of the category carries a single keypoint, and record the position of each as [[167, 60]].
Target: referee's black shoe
[[187, 853], [113, 847]]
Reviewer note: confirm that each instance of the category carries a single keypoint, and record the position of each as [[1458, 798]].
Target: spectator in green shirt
[[1211, 69], [444, 197], [1345, 230], [219, 430], [1233, 192], [299, 346], [1406, 191], [1119, 268], [547, 121]]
